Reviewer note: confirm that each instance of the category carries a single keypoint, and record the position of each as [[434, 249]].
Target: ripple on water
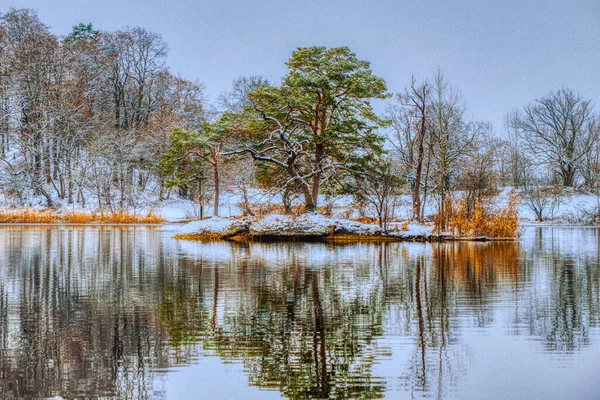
[[128, 312]]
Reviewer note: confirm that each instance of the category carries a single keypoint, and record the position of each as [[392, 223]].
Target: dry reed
[[365, 220], [19, 215], [463, 219], [117, 217]]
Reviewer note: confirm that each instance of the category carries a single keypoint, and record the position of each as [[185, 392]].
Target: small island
[[316, 227]]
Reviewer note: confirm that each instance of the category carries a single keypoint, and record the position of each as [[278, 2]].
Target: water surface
[[129, 312]]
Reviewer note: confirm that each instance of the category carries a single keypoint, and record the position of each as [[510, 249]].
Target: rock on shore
[[217, 227]]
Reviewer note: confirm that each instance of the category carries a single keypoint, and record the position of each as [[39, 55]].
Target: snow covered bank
[[571, 208], [311, 225], [305, 225], [216, 227]]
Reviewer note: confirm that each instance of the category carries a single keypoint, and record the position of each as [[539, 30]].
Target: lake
[[129, 312]]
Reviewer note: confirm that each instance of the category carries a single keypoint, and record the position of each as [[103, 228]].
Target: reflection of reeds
[[76, 217], [472, 264]]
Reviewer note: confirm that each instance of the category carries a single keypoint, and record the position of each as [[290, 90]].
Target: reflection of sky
[[503, 355], [511, 367], [492, 372], [519, 320], [209, 378]]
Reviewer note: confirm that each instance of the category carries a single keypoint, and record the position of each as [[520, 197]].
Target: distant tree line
[[97, 117], [87, 115]]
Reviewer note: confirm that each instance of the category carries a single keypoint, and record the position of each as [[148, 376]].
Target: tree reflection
[[101, 312], [74, 321], [564, 305], [290, 326], [450, 289]]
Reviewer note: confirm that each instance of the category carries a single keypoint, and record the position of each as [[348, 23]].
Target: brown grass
[[20, 215], [118, 217], [475, 220], [405, 226]]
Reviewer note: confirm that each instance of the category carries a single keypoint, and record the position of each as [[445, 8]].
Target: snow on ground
[[176, 210], [357, 228], [412, 229], [219, 226], [574, 207], [311, 224], [304, 225]]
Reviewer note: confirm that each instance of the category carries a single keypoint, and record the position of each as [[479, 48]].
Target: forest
[[95, 120]]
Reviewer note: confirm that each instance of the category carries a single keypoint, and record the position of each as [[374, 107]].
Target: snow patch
[[305, 225], [397, 229], [311, 224], [215, 226]]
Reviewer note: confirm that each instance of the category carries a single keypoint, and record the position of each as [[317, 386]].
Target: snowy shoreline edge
[[312, 227]]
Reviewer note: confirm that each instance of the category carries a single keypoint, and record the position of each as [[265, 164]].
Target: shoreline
[[314, 227], [339, 238]]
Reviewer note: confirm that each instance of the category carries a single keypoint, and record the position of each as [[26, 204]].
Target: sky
[[501, 55]]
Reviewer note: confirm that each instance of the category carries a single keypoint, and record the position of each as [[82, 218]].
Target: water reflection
[[87, 312]]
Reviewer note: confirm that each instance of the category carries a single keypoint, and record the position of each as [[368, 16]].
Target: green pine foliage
[[183, 162], [317, 124]]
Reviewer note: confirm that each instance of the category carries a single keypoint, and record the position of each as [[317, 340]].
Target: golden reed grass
[[19, 215], [34, 216], [475, 220]]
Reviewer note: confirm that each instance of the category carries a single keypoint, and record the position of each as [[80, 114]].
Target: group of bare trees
[[554, 146], [87, 119], [558, 134], [438, 148], [549, 145], [88, 115]]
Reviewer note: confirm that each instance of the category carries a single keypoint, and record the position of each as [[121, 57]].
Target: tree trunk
[[568, 175], [307, 190], [419, 169], [316, 179], [217, 186], [309, 204], [425, 186], [285, 199]]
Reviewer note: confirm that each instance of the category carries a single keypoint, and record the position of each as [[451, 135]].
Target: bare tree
[[556, 130], [452, 138], [479, 174], [236, 99], [379, 187], [410, 122], [541, 196]]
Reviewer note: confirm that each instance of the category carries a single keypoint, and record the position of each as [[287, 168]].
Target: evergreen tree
[[317, 123]]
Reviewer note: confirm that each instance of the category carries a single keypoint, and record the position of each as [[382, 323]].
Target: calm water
[[133, 313]]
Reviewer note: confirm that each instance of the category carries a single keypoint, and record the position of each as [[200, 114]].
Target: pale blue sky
[[500, 54]]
